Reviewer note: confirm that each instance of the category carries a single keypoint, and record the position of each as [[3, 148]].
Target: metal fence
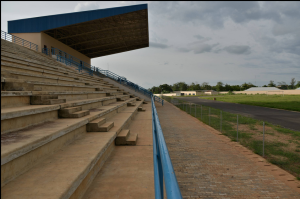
[[84, 67], [164, 175], [17, 40], [276, 144]]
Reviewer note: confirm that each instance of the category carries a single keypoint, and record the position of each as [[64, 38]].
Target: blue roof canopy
[[39, 24]]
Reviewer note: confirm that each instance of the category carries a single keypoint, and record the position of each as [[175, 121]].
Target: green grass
[[287, 102]]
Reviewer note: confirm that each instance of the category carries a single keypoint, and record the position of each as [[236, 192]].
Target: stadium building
[[88, 34]]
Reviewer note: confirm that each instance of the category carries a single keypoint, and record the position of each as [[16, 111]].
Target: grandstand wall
[[42, 39]]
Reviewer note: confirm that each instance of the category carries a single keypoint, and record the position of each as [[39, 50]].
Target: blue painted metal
[[84, 67], [39, 24], [17, 40], [163, 168]]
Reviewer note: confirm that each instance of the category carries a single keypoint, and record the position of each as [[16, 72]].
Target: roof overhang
[[93, 33]]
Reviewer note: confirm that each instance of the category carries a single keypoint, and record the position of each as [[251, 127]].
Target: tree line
[[220, 86]]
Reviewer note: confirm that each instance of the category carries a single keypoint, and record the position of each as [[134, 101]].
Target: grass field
[[282, 146], [287, 102]]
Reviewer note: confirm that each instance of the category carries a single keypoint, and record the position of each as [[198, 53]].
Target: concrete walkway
[[209, 165], [128, 172]]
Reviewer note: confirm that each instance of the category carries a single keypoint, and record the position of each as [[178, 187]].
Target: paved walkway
[[209, 165], [128, 172], [288, 119]]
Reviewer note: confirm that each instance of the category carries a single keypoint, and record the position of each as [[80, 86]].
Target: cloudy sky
[[232, 42]]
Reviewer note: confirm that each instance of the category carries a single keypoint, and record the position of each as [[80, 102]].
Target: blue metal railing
[[84, 67], [17, 40], [163, 168]]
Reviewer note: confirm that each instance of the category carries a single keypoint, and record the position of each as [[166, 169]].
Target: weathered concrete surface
[[209, 165], [128, 173], [127, 89], [287, 119], [62, 173]]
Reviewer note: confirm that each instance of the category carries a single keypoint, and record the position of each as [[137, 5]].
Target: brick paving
[[207, 165]]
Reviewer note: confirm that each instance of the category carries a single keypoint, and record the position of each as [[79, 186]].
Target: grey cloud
[[214, 14], [184, 50], [158, 45], [237, 49], [281, 73]]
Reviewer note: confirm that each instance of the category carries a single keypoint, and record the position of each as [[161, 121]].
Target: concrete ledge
[[8, 113]]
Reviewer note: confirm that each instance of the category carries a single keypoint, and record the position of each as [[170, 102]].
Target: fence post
[[195, 110], [221, 121], [263, 139], [209, 116], [190, 109], [5, 35], [201, 112], [237, 128]]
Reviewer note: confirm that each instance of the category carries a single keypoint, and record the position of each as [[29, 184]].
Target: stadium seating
[[58, 126]]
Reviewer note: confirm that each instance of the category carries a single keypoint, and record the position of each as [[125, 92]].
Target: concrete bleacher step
[[126, 138], [73, 112], [99, 125], [131, 104], [22, 149], [46, 100], [65, 174], [141, 109], [120, 99]]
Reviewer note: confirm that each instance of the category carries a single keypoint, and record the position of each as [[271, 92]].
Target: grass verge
[[287, 102]]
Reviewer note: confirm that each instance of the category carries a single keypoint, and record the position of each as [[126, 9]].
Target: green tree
[[166, 88], [205, 86], [293, 82], [298, 84], [219, 86], [180, 86], [271, 84]]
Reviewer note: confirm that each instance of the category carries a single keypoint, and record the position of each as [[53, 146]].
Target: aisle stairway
[[58, 126]]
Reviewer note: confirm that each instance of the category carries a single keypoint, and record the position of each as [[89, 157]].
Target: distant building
[[190, 93]]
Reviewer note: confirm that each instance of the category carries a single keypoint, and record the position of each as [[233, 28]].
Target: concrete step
[[73, 112], [94, 125], [145, 102], [131, 104], [126, 138], [80, 114], [141, 109], [12, 84], [105, 127], [46, 100], [17, 118], [120, 99]]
